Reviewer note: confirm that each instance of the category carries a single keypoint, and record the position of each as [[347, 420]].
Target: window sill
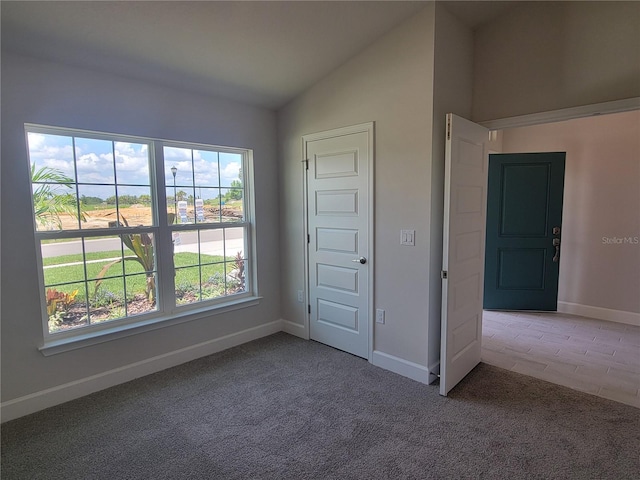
[[81, 340]]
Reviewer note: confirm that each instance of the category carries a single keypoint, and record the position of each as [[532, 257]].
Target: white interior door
[[465, 206], [339, 180]]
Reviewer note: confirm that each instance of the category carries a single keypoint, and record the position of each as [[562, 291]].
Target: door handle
[[361, 260], [556, 243]]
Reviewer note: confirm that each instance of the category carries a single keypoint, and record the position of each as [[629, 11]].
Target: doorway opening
[[598, 263]]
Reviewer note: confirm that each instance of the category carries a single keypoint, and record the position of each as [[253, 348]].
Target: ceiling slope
[[263, 53]]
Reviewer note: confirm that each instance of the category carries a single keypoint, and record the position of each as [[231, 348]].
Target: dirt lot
[[139, 215], [135, 215]]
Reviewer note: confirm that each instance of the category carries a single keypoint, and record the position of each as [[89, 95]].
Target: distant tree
[[127, 199], [122, 200], [236, 189], [181, 195], [146, 199], [91, 200]]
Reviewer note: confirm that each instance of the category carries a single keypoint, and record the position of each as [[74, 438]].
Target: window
[[109, 255], [207, 221]]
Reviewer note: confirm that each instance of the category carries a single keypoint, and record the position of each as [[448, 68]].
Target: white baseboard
[[620, 316], [295, 329], [34, 402], [402, 367]]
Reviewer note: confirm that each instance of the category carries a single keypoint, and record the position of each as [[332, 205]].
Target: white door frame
[[362, 127], [617, 106], [572, 113]]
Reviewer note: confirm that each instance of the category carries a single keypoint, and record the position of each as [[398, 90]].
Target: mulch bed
[[76, 316]]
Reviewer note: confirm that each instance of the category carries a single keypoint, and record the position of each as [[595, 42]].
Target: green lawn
[[77, 257], [113, 283]]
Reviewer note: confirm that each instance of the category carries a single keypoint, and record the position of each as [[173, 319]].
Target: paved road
[[211, 244]]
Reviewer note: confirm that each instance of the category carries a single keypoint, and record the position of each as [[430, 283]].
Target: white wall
[[601, 200], [390, 83], [52, 94], [545, 56]]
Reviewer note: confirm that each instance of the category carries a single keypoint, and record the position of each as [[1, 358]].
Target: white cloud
[[36, 141], [50, 151], [93, 167], [230, 172], [206, 172], [95, 162], [132, 163]]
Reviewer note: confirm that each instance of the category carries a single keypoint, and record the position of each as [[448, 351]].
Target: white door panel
[[338, 278], [465, 204], [338, 216], [337, 240]]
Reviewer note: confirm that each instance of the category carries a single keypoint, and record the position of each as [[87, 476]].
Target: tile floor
[[594, 356]]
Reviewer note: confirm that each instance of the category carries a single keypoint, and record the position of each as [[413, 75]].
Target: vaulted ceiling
[[259, 52]]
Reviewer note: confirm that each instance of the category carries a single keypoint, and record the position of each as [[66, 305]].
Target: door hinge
[[308, 238], [444, 274], [309, 309], [306, 164], [448, 128]]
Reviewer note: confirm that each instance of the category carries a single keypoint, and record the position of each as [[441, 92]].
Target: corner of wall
[[295, 329], [453, 70]]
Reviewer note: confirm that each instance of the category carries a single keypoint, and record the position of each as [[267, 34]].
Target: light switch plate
[[408, 237]]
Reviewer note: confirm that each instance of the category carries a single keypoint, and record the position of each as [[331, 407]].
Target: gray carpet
[[281, 407]]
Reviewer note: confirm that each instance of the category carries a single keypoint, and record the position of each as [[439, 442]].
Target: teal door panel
[[524, 204]]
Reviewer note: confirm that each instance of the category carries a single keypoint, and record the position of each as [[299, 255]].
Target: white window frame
[[167, 311]]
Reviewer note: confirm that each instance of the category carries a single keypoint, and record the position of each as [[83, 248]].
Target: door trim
[[616, 106], [337, 132]]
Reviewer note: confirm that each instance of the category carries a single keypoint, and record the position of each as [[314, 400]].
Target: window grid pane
[[222, 263], [66, 306], [203, 186]]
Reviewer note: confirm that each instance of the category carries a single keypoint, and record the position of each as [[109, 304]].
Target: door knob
[[556, 243], [361, 260]]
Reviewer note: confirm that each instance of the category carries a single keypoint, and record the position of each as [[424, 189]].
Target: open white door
[[465, 206]]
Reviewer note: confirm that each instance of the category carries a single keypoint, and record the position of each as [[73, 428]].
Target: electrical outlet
[[380, 315], [301, 296]]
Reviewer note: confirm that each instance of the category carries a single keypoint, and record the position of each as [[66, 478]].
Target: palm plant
[[48, 201], [141, 245]]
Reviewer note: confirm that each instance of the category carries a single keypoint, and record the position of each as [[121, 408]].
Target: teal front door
[[524, 229]]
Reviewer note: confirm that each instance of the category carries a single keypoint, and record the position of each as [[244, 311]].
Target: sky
[[199, 172]]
